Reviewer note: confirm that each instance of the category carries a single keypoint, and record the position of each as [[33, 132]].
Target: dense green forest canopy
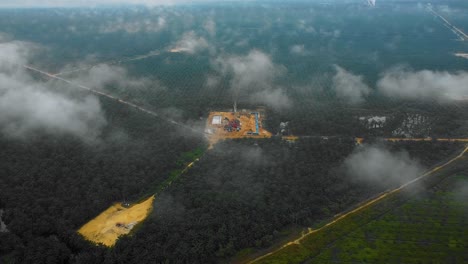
[[239, 195], [325, 72], [53, 184], [426, 228]]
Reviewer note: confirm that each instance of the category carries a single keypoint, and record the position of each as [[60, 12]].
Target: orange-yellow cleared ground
[[115, 221], [290, 138], [247, 121]]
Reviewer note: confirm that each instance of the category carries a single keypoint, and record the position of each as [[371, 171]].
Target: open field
[[117, 220], [248, 127], [426, 229], [313, 241]]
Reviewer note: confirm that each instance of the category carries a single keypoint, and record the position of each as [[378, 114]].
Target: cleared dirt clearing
[[117, 220]]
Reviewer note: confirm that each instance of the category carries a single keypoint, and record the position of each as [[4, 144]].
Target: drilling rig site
[[241, 124]]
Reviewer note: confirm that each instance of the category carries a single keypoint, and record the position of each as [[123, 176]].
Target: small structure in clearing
[[217, 120], [222, 125], [290, 138], [117, 220]]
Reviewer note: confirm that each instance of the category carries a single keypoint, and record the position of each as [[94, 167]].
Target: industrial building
[[222, 125], [217, 120]]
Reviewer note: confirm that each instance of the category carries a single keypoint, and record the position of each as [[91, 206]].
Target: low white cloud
[[298, 50], [117, 77], [242, 43], [445, 8], [349, 87], [13, 55], [330, 33], [146, 25], [424, 85], [275, 98], [212, 81], [302, 25], [210, 27], [460, 192], [377, 165], [27, 106], [253, 71], [4, 37], [94, 3], [190, 43], [254, 76]]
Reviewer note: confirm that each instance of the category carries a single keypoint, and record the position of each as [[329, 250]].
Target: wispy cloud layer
[[378, 165], [191, 43], [298, 50], [349, 87], [136, 26], [27, 106], [116, 77], [93, 3], [424, 85], [254, 75], [210, 27]]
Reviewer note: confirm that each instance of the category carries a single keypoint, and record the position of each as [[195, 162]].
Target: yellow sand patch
[[115, 221], [290, 138], [247, 120]]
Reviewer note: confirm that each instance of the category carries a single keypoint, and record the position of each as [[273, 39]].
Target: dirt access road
[[360, 208]]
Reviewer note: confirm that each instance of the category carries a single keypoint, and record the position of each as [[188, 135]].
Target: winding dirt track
[[369, 203]]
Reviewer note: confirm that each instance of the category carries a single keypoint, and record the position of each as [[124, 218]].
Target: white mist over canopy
[[94, 3]]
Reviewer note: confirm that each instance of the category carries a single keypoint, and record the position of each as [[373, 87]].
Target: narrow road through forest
[[362, 207]]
